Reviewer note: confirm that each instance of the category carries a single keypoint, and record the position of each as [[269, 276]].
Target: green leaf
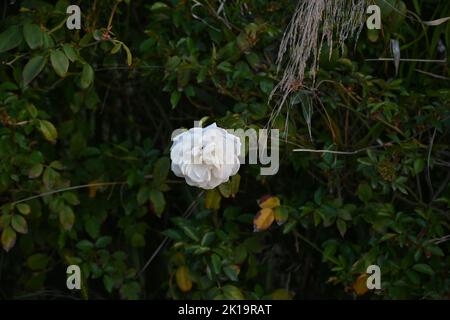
[[143, 195], [19, 224], [5, 221], [216, 263], [266, 85], [225, 189], [419, 165], [232, 272], [23, 208], [129, 55], [108, 283], [342, 227], [33, 35], [59, 62], [38, 261], [208, 238], [158, 201], [87, 76], [130, 291], [31, 108], [116, 48], [212, 199], [71, 198], [175, 98], [281, 215], [67, 217], [137, 240], [8, 239], [288, 227], [10, 39], [33, 67], [48, 130], [423, 268], [187, 228], [103, 242], [70, 52], [364, 192], [160, 171], [50, 177], [92, 226], [435, 250], [85, 245], [231, 292], [35, 171]]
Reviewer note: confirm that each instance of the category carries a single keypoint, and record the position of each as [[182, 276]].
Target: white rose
[[205, 157]]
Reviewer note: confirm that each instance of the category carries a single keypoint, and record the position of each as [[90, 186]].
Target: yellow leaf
[[183, 280], [360, 285], [212, 199], [281, 294], [269, 202], [263, 220], [92, 190]]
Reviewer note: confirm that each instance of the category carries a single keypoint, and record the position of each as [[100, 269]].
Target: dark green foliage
[[86, 120]]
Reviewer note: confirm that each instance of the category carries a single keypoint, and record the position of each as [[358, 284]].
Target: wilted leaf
[[360, 285], [268, 202], [183, 279], [92, 189], [263, 220]]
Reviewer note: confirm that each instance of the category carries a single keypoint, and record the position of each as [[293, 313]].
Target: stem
[[98, 184]]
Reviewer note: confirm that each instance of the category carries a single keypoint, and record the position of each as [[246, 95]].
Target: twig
[[433, 75], [408, 60], [186, 214], [98, 184]]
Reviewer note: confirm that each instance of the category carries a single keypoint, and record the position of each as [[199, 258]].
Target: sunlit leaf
[[268, 202], [263, 220]]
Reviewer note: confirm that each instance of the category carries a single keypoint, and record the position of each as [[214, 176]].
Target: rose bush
[[86, 118]]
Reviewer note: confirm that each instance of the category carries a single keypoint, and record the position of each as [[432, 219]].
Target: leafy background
[[86, 118]]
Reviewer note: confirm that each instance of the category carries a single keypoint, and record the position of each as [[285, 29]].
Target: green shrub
[[86, 119]]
